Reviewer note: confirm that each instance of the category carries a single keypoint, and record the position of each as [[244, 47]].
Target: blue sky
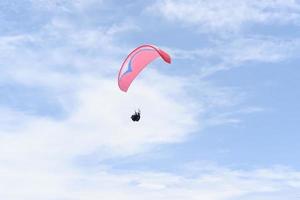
[[219, 123]]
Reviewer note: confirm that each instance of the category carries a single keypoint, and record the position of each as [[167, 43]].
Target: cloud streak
[[211, 183], [223, 16]]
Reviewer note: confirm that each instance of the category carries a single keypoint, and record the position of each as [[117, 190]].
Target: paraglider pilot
[[136, 116]]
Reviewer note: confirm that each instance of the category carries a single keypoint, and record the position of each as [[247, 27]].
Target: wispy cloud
[[222, 16], [253, 50], [227, 54], [211, 183]]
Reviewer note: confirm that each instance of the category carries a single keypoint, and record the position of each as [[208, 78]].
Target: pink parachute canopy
[[136, 61]]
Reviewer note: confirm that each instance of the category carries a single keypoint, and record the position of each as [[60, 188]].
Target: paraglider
[[135, 62]]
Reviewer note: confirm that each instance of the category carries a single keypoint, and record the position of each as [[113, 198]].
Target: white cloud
[[61, 49], [247, 50], [36, 155], [99, 120], [228, 54], [222, 16], [228, 19], [36, 182]]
